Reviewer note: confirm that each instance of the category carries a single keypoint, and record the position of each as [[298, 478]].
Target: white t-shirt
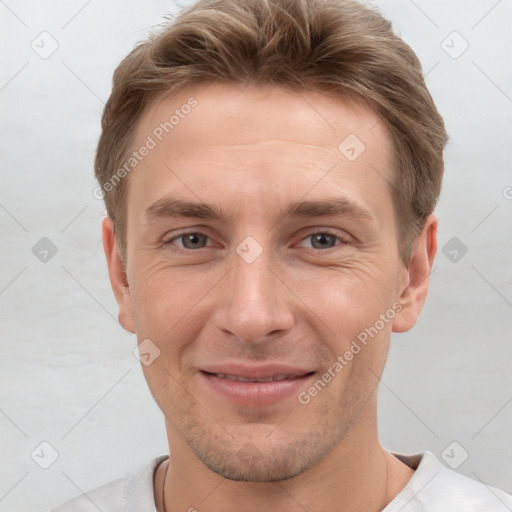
[[432, 488]]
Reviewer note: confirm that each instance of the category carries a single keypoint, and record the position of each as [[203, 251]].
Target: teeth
[[275, 378]]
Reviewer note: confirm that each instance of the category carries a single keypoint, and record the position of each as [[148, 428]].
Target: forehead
[[258, 112], [260, 139]]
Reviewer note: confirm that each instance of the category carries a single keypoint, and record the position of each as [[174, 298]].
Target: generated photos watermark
[[343, 360], [151, 142]]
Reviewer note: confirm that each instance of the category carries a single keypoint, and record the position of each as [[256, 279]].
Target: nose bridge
[[255, 304]]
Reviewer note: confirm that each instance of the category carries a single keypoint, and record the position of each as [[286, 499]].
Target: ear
[[414, 290], [117, 273]]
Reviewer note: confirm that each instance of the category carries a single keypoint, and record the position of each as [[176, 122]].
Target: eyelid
[[176, 236], [325, 231], [342, 239]]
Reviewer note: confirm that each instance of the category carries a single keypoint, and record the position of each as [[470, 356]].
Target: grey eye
[[323, 240], [193, 240]]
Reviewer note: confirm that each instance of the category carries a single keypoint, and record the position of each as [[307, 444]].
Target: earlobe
[[117, 274], [414, 291]]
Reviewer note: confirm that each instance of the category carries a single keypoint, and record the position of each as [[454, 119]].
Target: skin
[[251, 152]]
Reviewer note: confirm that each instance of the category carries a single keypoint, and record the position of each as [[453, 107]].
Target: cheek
[[347, 300], [353, 313], [163, 297]]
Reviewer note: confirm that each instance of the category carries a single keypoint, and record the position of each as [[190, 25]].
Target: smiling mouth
[[263, 388], [272, 378]]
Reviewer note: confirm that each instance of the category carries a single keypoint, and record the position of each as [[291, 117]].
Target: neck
[[357, 475]]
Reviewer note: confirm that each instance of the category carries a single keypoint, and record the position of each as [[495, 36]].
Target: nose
[[256, 302]]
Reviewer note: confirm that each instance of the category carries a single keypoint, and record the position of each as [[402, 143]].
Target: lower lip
[[255, 393]]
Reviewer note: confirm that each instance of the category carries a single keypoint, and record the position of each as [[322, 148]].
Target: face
[[263, 266]]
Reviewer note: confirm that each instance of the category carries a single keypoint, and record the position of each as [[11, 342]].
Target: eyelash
[[342, 240]]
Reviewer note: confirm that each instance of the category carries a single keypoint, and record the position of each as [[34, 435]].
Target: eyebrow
[[177, 208]]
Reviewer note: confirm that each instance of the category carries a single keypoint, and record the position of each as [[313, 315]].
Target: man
[[270, 171]]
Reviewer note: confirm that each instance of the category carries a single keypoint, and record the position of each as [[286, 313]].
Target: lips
[[255, 385], [240, 378]]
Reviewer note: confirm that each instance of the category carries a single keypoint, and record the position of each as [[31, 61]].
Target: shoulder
[[435, 488], [108, 497], [135, 490]]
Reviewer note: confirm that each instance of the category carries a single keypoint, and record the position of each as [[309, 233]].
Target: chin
[[256, 472], [263, 461]]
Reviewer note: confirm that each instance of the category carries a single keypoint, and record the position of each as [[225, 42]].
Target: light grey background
[[68, 373]]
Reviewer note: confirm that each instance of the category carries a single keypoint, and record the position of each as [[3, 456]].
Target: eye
[[320, 240], [190, 241], [324, 240]]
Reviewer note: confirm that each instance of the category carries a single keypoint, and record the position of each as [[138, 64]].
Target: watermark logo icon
[[454, 455], [45, 45], [44, 250], [454, 45], [146, 352], [454, 249], [249, 249], [44, 455], [351, 147], [248, 454]]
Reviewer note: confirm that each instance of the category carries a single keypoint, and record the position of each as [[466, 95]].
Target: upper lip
[[264, 371]]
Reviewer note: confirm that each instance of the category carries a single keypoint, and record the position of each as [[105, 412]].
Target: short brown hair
[[337, 46]]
